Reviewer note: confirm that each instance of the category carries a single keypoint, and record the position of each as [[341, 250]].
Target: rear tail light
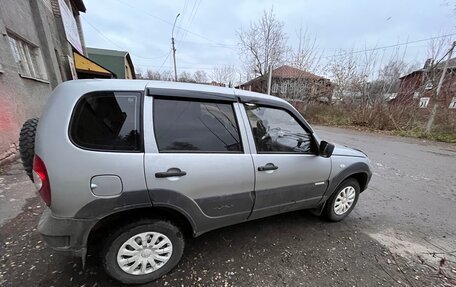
[[41, 180]]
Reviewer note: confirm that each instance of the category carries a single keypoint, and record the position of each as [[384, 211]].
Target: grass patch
[[398, 120], [437, 136]]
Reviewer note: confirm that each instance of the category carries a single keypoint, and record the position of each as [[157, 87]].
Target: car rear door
[[288, 170], [197, 159]]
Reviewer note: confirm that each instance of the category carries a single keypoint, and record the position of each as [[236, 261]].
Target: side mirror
[[326, 149]]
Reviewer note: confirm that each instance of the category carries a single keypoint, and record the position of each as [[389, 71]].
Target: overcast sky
[[209, 38]]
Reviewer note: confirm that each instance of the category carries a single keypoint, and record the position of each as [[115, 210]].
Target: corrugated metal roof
[[451, 65], [106, 52]]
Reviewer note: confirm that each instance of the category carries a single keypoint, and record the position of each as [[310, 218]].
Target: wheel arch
[[361, 178], [114, 220], [359, 171]]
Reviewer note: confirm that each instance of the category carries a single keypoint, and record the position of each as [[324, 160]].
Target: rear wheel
[[27, 145], [342, 202], [143, 251]]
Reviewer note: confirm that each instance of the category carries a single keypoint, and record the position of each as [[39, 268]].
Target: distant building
[[418, 87], [119, 62], [292, 84], [214, 83], [37, 45]]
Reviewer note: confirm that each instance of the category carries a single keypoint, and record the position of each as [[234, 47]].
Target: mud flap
[[318, 210], [83, 254]]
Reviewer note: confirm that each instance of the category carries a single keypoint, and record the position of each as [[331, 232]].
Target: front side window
[[107, 121], [277, 131], [193, 126]]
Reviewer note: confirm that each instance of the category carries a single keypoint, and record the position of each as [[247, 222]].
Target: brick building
[[418, 87], [292, 84]]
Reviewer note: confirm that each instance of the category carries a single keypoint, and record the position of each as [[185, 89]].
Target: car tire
[[121, 252], [342, 201], [27, 145]]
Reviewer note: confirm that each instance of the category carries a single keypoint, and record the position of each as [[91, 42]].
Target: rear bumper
[[65, 234]]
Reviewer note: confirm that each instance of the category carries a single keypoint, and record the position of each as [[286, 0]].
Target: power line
[[389, 46], [170, 23], [191, 17], [163, 61], [183, 15], [117, 45], [226, 46], [209, 66]]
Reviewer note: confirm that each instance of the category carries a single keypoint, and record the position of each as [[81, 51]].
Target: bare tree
[[186, 77], [224, 74], [200, 76], [153, 75], [342, 69], [167, 75], [264, 43], [306, 55], [435, 74], [156, 75]]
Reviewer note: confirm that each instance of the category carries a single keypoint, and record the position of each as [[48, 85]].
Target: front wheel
[[342, 202], [143, 251]]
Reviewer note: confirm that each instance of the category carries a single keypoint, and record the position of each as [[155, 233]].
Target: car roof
[[132, 85]]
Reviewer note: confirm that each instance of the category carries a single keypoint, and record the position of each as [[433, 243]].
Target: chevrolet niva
[[138, 165]]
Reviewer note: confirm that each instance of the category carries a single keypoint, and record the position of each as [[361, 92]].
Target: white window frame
[[274, 88], [416, 95], [429, 86], [424, 102], [28, 58], [283, 87], [452, 103]]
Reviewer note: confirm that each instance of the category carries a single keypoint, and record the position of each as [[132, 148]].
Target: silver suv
[[138, 165]]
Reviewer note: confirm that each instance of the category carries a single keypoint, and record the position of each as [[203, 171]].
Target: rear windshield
[[107, 121]]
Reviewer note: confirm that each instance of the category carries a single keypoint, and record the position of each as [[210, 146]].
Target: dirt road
[[402, 233]]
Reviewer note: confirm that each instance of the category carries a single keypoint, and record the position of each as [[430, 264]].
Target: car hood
[[341, 150]]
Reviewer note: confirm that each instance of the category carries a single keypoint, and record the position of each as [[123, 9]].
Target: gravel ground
[[402, 233]]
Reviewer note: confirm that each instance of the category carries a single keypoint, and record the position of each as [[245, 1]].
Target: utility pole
[[437, 92], [174, 48], [269, 79]]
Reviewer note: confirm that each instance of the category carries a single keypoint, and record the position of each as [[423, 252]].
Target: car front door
[[197, 160], [288, 170]]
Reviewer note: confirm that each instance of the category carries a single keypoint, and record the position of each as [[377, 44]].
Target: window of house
[[107, 121], [195, 126], [424, 101], [277, 131], [428, 86], [275, 88], [452, 103], [284, 87], [416, 95], [28, 58], [291, 87]]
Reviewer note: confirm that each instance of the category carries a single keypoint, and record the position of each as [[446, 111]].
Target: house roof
[[286, 71], [80, 5], [110, 58], [451, 65], [106, 52]]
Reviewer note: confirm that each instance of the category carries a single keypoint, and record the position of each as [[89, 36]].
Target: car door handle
[[170, 173], [269, 166]]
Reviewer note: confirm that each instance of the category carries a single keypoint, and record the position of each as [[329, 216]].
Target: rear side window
[[193, 126], [107, 121]]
